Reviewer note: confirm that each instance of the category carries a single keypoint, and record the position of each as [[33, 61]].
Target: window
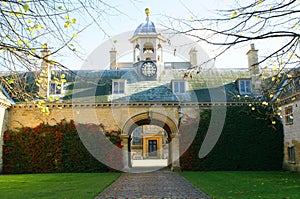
[[55, 89], [244, 86], [178, 86], [118, 86], [291, 154], [137, 136], [289, 119]]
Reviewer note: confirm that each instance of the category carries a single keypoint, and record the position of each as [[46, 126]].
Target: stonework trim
[[150, 118], [127, 104]]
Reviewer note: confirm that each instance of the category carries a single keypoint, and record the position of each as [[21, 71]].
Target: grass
[[61, 186], [218, 184], [242, 185]]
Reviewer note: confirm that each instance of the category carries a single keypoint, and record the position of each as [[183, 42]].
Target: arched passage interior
[[162, 129]]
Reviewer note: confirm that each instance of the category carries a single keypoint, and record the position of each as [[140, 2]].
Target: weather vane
[[147, 11]]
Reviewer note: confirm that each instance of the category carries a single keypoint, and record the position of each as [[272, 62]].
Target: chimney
[[254, 71], [113, 59], [193, 57], [46, 55], [45, 74]]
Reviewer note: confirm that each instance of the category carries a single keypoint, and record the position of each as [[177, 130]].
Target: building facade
[[149, 99], [290, 112]]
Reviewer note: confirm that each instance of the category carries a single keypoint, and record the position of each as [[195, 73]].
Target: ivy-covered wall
[[248, 141], [58, 148]]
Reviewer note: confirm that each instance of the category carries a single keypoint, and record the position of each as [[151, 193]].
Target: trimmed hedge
[[247, 142], [58, 148]]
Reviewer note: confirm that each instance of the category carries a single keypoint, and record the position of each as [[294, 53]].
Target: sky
[[133, 14]]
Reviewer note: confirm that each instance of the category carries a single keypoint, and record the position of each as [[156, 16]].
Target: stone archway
[[152, 118]]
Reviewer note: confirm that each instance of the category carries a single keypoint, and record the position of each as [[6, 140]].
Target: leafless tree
[[268, 21], [28, 27], [261, 20]]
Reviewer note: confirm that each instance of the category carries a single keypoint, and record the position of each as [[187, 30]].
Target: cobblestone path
[[162, 184]]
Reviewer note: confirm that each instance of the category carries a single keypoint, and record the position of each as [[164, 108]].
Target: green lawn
[[273, 185], [60, 186]]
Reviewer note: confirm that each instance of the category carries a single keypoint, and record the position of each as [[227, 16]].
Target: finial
[[147, 12]]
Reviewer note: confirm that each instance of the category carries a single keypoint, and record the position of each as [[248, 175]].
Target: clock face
[[148, 69]]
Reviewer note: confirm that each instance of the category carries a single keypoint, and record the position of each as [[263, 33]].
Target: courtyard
[[217, 184], [114, 100]]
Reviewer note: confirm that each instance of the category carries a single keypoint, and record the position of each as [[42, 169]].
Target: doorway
[[149, 146], [152, 148]]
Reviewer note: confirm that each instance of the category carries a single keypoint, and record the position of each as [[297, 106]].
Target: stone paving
[[161, 184]]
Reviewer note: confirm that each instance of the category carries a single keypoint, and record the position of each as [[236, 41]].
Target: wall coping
[[128, 104]]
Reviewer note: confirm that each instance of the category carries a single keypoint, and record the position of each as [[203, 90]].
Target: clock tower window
[[148, 51]]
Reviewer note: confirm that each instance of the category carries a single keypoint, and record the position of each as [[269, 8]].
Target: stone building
[[149, 100], [290, 112]]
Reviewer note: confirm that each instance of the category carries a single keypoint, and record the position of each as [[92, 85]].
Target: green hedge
[[248, 142], [58, 148]]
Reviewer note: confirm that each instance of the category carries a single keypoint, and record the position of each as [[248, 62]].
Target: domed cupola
[[147, 42], [147, 27]]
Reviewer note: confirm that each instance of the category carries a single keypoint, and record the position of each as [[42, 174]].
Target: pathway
[[161, 184]]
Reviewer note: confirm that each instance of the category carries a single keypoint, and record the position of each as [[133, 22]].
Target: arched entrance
[[152, 145], [149, 146]]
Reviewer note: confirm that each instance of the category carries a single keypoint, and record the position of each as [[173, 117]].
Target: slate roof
[[285, 85], [96, 86]]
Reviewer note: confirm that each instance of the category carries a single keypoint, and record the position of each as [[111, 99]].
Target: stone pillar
[[2, 113], [175, 153], [125, 152], [4, 104], [169, 151], [159, 147], [134, 55]]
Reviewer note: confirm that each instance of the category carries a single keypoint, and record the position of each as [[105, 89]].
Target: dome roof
[[147, 27]]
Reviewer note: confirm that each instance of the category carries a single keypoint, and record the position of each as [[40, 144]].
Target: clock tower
[[148, 50]]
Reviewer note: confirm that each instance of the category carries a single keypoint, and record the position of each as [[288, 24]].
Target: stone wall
[[292, 166], [292, 136], [4, 104], [112, 116], [3, 123]]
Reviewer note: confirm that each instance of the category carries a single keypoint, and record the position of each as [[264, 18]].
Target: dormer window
[[118, 86], [55, 89], [178, 86], [244, 86], [56, 84]]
